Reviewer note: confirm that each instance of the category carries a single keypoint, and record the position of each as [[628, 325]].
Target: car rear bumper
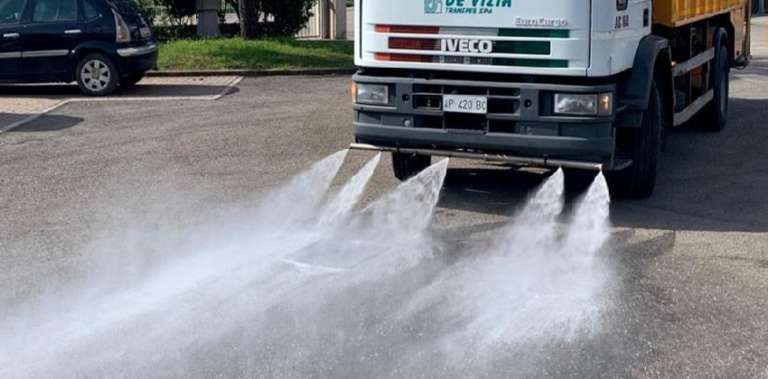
[[137, 59], [134, 51], [519, 122]]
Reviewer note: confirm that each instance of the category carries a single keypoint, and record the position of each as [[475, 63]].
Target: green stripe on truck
[[535, 33], [520, 62]]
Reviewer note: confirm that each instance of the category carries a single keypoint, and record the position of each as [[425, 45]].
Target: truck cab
[[578, 84]]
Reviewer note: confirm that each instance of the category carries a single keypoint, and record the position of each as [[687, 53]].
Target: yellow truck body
[[679, 12]]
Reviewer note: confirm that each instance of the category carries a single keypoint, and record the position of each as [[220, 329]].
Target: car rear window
[[125, 7], [54, 11], [10, 11], [90, 11]]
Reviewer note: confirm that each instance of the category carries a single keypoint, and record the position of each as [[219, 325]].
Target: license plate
[[465, 104]]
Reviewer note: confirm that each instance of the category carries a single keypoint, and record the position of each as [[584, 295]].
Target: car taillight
[[122, 32]]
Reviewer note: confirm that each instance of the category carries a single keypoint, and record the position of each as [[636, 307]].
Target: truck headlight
[[375, 94], [584, 104]]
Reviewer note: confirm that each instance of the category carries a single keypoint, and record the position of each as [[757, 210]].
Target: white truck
[[578, 84]]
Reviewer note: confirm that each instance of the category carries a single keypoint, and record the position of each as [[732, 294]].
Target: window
[[90, 12], [55, 11], [10, 11]]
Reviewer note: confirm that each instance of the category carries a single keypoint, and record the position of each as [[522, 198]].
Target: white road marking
[[31, 118], [235, 81]]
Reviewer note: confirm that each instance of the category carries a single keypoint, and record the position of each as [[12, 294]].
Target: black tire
[[96, 75], [643, 146], [406, 166], [577, 180], [131, 80], [715, 114]]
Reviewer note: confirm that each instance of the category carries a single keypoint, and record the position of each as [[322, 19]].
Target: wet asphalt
[[691, 297]]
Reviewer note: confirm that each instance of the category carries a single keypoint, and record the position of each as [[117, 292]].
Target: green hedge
[[169, 33]]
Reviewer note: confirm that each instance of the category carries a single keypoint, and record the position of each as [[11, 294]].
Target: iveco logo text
[[541, 21], [476, 46]]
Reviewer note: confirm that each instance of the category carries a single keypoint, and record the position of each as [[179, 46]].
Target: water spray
[[319, 278]]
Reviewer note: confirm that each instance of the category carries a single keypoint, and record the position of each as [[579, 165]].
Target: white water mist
[[279, 226], [229, 284], [343, 203], [310, 284], [538, 281]]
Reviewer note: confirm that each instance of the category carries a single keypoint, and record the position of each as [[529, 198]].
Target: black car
[[100, 44]]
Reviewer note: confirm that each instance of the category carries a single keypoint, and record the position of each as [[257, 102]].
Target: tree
[[249, 12], [178, 10], [273, 18], [289, 16]]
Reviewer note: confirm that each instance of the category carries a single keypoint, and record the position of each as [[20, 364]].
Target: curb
[[320, 71]]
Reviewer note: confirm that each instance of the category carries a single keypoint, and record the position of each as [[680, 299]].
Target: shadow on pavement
[[46, 123], [707, 181], [487, 189], [757, 66], [63, 91]]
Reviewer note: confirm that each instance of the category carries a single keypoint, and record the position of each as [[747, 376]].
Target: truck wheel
[[643, 145], [715, 114], [406, 166], [96, 75]]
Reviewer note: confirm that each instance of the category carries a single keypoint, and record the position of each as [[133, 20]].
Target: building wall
[[329, 21]]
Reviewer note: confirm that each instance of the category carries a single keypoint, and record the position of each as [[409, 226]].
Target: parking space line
[[228, 87], [31, 118]]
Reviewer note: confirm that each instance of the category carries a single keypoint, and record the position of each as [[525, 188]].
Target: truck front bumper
[[519, 124]]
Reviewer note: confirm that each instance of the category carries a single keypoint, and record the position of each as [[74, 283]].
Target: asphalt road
[[691, 263]]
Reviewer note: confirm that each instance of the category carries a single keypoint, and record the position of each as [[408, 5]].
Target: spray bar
[[523, 161]]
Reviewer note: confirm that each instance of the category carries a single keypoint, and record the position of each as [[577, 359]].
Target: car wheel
[[715, 114], [96, 75], [131, 80], [643, 146], [406, 166]]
